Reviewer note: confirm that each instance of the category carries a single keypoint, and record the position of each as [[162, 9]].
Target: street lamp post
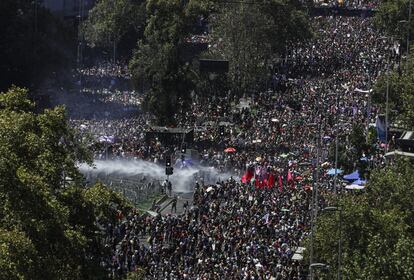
[[408, 22], [336, 144], [408, 29], [332, 208], [314, 210], [387, 107]]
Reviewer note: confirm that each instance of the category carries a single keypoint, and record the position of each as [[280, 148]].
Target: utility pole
[[336, 143], [339, 257], [314, 210], [409, 29], [387, 106]]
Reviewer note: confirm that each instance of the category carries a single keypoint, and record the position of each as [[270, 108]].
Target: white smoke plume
[[182, 180]]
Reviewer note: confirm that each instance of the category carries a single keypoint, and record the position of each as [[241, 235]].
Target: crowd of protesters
[[230, 232], [250, 229]]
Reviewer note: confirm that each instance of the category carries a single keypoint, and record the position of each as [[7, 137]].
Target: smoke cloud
[[182, 180]]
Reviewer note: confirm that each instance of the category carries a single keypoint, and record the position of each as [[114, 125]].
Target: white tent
[[354, 187]]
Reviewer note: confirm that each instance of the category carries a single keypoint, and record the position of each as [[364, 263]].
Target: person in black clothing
[[174, 205]]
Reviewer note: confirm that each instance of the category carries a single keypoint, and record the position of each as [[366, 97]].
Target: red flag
[[289, 176], [256, 183], [271, 181], [265, 183], [259, 184], [291, 179], [248, 175]]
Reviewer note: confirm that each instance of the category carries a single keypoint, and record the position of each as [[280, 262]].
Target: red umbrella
[[230, 150]]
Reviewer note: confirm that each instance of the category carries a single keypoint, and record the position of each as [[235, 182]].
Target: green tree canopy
[[377, 229], [252, 34], [400, 94], [109, 21], [156, 63], [393, 16], [47, 226]]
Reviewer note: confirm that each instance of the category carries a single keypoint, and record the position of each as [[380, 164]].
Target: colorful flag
[[248, 175], [280, 183]]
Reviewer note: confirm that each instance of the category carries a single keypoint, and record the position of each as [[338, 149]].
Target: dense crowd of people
[[250, 230], [231, 232]]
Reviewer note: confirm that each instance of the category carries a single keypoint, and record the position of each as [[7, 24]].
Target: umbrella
[[284, 155], [107, 139], [325, 164], [354, 187], [353, 176], [298, 257], [359, 182], [258, 159], [332, 171], [230, 150]]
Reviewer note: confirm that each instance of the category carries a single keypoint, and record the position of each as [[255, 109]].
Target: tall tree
[[393, 16], [252, 34], [377, 229], [156, 61], [399, 84], [47, 224], [109, 22]]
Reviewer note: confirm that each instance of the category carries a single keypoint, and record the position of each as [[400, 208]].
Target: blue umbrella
[[332, 171], [360, 182], [353, 176]]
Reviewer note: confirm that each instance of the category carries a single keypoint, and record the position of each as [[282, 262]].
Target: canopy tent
[[332, 171], [353, 176], [359, 182], [107, 139], [354, 187], [297, 257]]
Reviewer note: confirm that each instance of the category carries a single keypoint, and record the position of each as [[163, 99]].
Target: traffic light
[[221, 130], [168, 161], [183, 148], [169, 170]]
